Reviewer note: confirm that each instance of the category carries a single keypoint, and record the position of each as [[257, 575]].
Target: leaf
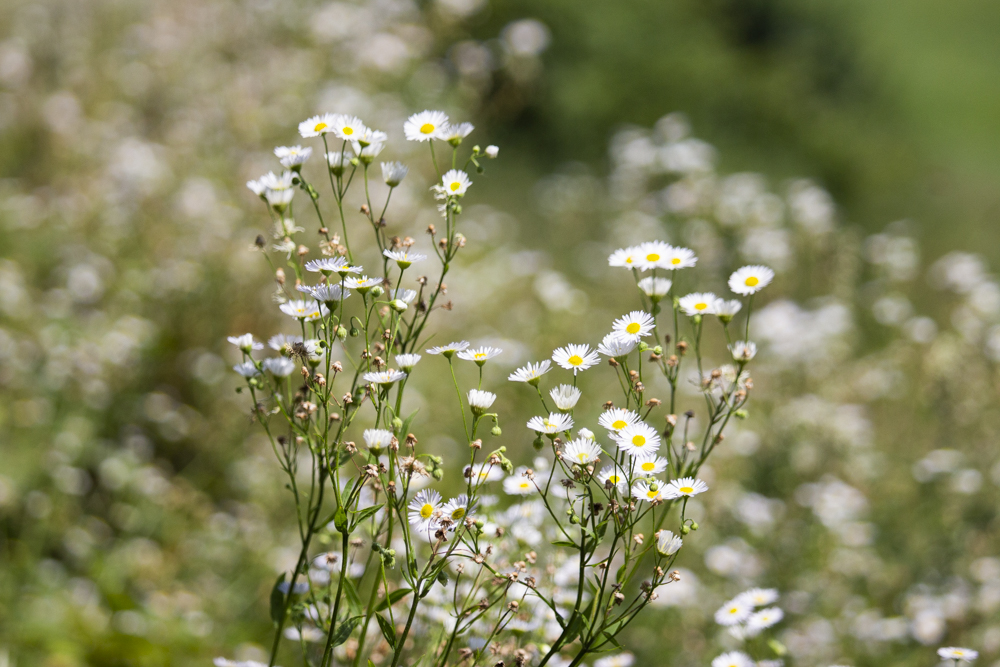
[[340, 520], [344, 631], [388, 631], [353, 599], [392, 599], [345, 456], [602, 528], [620, 573], [406, 424], [574, 627], [277, 600], [361, 515], [612, 640], [565, 543]]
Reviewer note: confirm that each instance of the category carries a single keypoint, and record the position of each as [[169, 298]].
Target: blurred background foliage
[[142, 521]]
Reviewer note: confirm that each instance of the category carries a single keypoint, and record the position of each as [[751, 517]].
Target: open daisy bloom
[[750, 279], [426, 125], [575, 357]]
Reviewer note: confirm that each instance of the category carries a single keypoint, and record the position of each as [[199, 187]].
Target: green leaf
[[278, 600], [345, 456], [388, 631], [370, 663], [621, 573], [362, 515], [601, 529], [406, 424], [344, 631], [565, 543], [340, 520], [392, 599], [353, 599], [612, 640], [574, 628]]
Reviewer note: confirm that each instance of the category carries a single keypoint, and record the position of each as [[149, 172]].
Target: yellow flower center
[[480, 355], [648, 465], [426, 511], [639, 440], [458, 513], [700, 306], [633, 328], [426, 128], [675, 261], [348, 130], [614, 479], [651, 494], [319, 127], [582, 456], [455, 186], [524, 485], [752, 281], [652, 257], [619, 424], [686, 489], [629, 260], [734, 610], [575, 360]]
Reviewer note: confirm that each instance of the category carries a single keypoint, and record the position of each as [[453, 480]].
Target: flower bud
[[397, 424], [685, 530], [354, 332], [398, 305], [496, 432], [538, 443], [377, 291], [341, 332], [741, 414]]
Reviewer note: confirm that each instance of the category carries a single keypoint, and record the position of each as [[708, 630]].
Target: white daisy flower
[[565, 396], [584, 432], [425, 126], [367, 139], [454, 134], [957, 653], [279, 366], [616, 419], [733, 659], [393, 173], [667, 544], [750, 279], [518, 485], [654, 255], [457, 508], [556, 422], [726, 310], [581, 451], [292, 156], [317, 125], [422, 508], [743, 350], [492, 151], [246, 343], [620, 660], [480, 401], [367, 154], [407, 361], [648, 491], [377, 439], [638, 439], [575, 357], [758, 597], [636, 324], [247, 369], [385, 377], [339, 161], [655, 288], [362, 284], [679, 258], [450, 349], [404, 295], [484, 472], [283, 343], [649, 464], [614, 475], [330, 265], [326, 293], [625, 257], [310, 311], [685, 486], [531, 373], [617, 346], [455, 182], [348, 128], [698, 303], [733, 612], [404, 258], [480, 355], [764, 618]]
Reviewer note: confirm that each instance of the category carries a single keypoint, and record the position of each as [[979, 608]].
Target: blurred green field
[[141, 518]]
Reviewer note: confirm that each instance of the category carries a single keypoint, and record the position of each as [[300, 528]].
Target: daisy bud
[[397, 424], [398, 305], [492, 152], [741, 414], [538, 443], [496, 432], [354, 332], [377, 291]]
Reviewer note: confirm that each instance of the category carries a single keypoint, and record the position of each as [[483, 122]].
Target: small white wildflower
[[565, 396], [679, 258], [425, 126], [616, 345], [616, 419], [698, 303], [292, 156], [685, 486], [455, 182], [480, 401], [667, 544], [393, 173], [733, 612], [310, 311], [492, 151], [519, 485], [958, 654], [247, 369], [404, 258], [454, 134], [556, 422], [743, 350], [627, 258], [531, 373], [655, 255], [614, 475], [750, 279], [637, 439], [649, 464], [655, 288], [317, 125], [647, 491], [581, 451], [764, 618], [377, 439], [636, 324], [733, 659], [385, 377], [575, 357], [362, 284], [449, 350], [407, 361], [330, 265], [726, 310], [279, 366], [246, 343], [348, 128], [422, 509], [758, 597], [480, 355]]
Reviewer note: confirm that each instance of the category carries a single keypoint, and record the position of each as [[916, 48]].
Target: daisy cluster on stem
[[592, 527]]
